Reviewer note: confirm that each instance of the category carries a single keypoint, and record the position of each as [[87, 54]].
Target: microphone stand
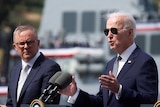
[[52, 92], [49, 92]]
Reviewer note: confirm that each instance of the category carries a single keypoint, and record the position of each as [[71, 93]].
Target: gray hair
[[21, 28]]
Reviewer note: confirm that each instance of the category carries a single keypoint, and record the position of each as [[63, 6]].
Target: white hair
[[129, 21]]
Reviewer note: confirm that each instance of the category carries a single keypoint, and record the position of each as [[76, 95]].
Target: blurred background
[[71, 32]]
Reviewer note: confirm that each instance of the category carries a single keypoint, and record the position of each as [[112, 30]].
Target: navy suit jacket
[[37, 80], [139, 79]]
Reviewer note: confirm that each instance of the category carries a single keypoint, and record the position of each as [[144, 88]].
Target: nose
[[25, 45], [110, 35]]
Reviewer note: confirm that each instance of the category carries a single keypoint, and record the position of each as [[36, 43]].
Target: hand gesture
[[71, 89], [109, 82]]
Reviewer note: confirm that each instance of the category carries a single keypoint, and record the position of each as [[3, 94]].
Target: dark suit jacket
[[42, 70], [139, 79]]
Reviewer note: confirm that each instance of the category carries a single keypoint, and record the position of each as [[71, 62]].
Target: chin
[[111, 47]]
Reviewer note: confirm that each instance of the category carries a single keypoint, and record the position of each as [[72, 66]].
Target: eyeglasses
[[29, 43], [113, 30]]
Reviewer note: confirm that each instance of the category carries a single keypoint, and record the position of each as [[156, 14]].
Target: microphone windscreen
[[63, 80], [54, 77]]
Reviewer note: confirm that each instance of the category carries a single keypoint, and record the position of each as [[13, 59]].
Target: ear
[[14, 46], [130, 34], [130, 31], [38, 42]]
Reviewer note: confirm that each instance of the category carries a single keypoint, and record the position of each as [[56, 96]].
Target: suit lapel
[[29, 79], [128, 64]]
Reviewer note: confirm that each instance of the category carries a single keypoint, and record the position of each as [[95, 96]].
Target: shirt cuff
[[118, 95], [73, 98]]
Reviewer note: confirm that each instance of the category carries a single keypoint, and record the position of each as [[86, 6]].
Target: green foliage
[[156, 4], [12, 12]]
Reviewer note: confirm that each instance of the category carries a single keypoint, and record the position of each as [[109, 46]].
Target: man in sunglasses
[[130, 78]]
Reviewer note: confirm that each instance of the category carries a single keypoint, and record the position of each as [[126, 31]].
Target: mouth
[[26, 52], [111, 43]]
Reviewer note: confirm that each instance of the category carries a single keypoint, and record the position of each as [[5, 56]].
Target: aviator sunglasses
[[113, 30]]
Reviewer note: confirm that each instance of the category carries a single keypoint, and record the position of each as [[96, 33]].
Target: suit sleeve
[[86, 100]]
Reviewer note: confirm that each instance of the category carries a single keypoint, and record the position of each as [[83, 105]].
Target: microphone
[[54, 77], [51, 82], [59, 80], [63, 80]]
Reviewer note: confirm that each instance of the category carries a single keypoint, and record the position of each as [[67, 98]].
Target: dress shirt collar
[[125, 55]]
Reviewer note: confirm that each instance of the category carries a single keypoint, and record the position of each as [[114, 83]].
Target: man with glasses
[[130, 78], [40, 69]]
